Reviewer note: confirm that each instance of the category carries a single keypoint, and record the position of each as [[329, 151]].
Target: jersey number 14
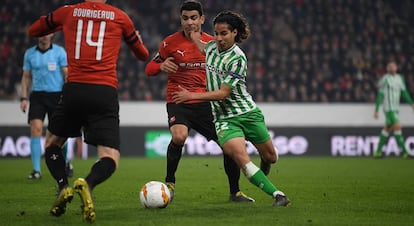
[[98, 44]]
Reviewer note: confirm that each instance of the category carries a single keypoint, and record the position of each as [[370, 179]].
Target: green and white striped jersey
[[228, 67], [391, 86]]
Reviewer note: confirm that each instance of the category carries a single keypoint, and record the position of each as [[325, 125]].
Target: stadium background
[[319, 54]]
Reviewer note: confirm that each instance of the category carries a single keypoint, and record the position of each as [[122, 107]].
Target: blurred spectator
[[299, 51]]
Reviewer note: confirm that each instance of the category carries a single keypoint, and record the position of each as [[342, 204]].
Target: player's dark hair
[[192, 5], [235, 21]]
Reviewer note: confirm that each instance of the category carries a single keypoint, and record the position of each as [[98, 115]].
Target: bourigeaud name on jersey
[[96, 14]]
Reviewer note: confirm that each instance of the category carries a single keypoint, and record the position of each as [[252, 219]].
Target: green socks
[[400, 140], [381, 143], [383, 139], [257, 177]]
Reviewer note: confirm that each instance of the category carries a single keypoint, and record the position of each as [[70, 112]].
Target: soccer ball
[[154, 194]]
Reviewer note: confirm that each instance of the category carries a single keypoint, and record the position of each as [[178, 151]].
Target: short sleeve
[[26, 62]]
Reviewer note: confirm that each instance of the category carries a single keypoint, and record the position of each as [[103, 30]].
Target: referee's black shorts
[[92, 108], [42, 103], [197, 116]]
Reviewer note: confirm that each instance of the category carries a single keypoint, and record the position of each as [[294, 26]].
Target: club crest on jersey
[[221, 134]]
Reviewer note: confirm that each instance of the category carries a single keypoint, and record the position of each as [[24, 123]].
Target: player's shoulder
[[237, 52], [176, 36], [172, 40], [211, 45], [206, 37], [401, 78], [384, 78]]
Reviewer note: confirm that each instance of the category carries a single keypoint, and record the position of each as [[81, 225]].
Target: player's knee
[[36, 131], [396, 127], [53, 140], [108, 152], [179, 138]]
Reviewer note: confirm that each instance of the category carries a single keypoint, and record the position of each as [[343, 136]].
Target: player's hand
[[23, 105], [376, 115], [181, 96], [168, 66], [195, 36]]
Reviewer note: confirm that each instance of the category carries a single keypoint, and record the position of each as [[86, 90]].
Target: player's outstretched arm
[[184, 95], [154, 67], [135, 43]]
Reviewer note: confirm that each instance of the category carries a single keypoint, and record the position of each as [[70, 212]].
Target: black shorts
[[42, 103], [92, 108], [196, 116]]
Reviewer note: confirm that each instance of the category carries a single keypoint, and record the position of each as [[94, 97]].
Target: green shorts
[[391, 118], [250, 125]]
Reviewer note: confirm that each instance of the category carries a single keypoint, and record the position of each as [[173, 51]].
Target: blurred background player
[[179, 57], [391, 87], [237, 117], [93, 32], [44, 73]]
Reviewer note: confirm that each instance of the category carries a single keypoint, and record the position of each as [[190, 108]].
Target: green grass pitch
[[323, 191]]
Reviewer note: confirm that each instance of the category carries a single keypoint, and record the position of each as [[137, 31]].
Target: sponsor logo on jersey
[[235, 75], [181, 52], [214, 69]]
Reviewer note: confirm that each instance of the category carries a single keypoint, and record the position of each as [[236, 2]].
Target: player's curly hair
[[235, 21]]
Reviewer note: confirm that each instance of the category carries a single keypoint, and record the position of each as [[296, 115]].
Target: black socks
[[174, 152], [100, 171], [56, 164], [233, 173]]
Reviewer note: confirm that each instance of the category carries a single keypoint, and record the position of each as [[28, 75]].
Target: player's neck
[[44, 46]]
